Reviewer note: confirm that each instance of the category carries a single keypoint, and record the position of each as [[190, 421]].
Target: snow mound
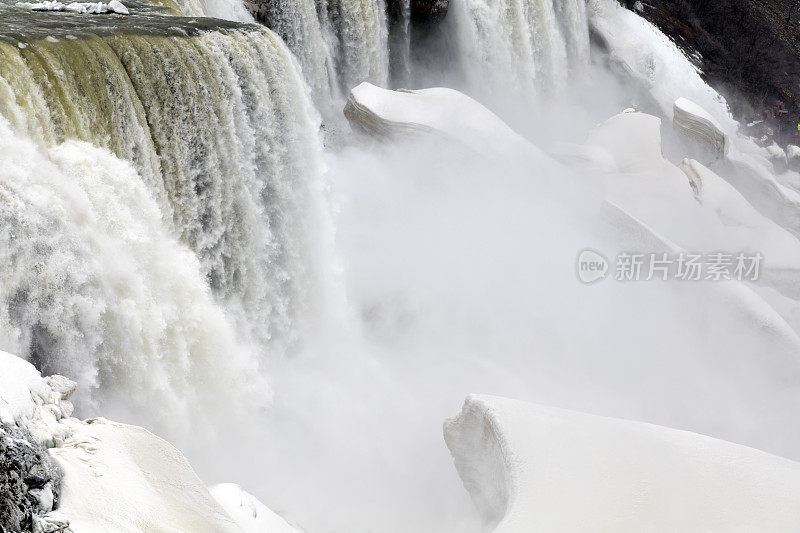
[[441, 111], [251, 515], [534, 468], [690, 206], [114, 477], [83, 8], [697, 124], [125, 479]]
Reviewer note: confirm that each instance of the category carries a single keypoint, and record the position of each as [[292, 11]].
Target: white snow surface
[[437, 110], [691, 206], [534, 468], [251, 515], [125, 479], [83, 8]]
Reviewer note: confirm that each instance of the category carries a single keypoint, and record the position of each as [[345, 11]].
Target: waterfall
[[220, 132], [361, 28], [298, 24], [94, 287], [574, 24], [400, 46], [338, 44], [520, 46]]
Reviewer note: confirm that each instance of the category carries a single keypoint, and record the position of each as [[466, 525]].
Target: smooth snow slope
[[116, 477], [534, 468], [251, 515]]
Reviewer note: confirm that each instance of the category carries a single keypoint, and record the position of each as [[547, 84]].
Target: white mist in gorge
[[293, 250]]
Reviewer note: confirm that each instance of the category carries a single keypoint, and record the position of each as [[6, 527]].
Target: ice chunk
[[697, 124], [441, 111], [533, 468]]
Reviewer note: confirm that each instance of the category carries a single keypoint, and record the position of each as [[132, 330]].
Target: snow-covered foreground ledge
[[101, 476], [533, 468]]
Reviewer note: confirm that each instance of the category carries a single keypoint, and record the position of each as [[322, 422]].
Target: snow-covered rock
[[251, 515], [691, 206], [439, 111], [29, 482], [696, 124], [125, 479], [534, 468], [83, 8]]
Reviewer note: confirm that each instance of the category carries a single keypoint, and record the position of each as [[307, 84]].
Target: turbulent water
[[220, 131]]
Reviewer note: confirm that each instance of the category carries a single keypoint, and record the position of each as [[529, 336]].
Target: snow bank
[[690, 206], [125, 479], [441, 111], [697, 124], [533, 468], [83, 8], [116, 477], [251, 515]]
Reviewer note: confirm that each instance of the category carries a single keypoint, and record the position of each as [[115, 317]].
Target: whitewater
[[290, 237]]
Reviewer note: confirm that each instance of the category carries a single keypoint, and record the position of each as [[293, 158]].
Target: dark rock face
[[749, 50], [422, 12], [29, 481], [415, 37]]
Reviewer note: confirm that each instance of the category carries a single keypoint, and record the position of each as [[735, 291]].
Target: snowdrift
[[534, 468], [112, 477], [81, 8], [251, 515]]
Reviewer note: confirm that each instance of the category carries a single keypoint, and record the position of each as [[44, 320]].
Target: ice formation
[[534, 468], [83, 8]]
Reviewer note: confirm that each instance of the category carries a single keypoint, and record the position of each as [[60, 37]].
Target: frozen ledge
[[532, 468], [439, 111], [697, 124], [83, 8]]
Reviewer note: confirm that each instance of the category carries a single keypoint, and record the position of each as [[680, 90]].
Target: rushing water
[[218, 126], [520, 46]]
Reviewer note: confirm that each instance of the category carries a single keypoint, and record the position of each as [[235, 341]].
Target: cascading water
[[94, 287], [300, 26], [520, 46], [363, 36], [338, 44], [218, 124]]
